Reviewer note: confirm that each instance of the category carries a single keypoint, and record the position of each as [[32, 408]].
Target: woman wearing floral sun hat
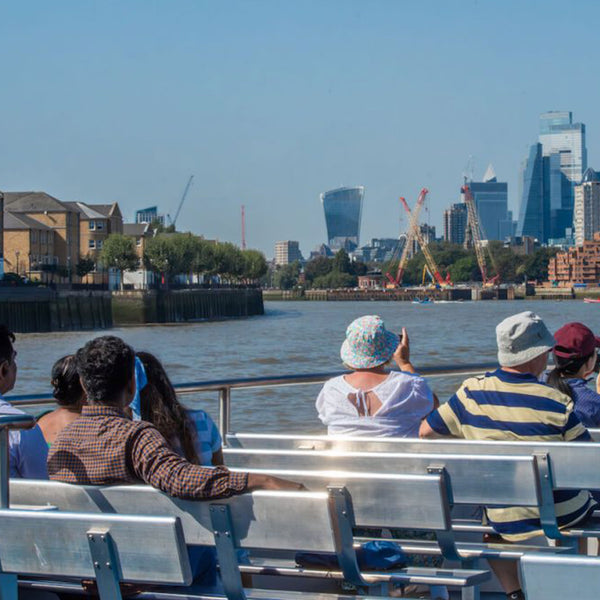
[[371, 400]]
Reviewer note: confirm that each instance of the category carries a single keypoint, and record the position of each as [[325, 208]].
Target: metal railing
[[224, 386]]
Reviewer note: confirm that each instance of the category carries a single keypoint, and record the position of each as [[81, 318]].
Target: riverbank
[[42, 310]]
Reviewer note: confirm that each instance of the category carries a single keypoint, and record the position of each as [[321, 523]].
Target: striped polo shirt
[[516, 406]]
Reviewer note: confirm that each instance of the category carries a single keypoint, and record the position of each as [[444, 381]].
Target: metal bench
[[559, 577], [322, 522], [560, 465]]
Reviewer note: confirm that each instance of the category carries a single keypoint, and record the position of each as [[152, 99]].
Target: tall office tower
[[343, 209], [586, 214], [287, 252], [1, 235], [565, 162], [455, 223], [491, 200], [534, 216]]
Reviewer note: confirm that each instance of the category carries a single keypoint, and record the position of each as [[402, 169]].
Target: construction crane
[[185, 193], [243, 227], [429, 260], [473, 234], [413, 223]]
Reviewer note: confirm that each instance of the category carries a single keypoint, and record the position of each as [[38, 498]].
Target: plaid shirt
[[103, 446]]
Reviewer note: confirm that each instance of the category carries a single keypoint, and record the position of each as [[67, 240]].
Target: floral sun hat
[[368, 343]]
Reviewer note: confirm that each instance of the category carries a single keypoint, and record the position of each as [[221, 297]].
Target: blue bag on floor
[[371, 556]]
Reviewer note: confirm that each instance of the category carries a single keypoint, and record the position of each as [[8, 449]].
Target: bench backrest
[[556, 577], [261, 518], [489, 480], [54, 543], [572, 463]]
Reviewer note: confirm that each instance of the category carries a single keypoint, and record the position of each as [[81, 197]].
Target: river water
[[298, 337]]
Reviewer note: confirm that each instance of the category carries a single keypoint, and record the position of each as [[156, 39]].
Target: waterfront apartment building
[[549, 174], [586, 212], [455, 223], [580, 264], [343, 210], [287, 252]]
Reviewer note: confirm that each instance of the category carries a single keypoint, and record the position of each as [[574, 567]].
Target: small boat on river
[[592, 300]]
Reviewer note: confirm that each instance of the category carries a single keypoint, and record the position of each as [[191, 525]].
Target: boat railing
[[224, 387]]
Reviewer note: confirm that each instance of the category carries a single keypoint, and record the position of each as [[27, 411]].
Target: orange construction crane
[[410, 236], [474, 229], [429, 260]]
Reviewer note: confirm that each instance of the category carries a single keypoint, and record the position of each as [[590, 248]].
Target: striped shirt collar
[[510, 377], [102, 410]]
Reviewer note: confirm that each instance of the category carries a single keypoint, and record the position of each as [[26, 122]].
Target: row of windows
[[44, 236], [96, 226], [95, 244]]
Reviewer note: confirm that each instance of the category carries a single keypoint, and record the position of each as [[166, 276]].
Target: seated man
[[512, 404], [104, 446], [28, 449]]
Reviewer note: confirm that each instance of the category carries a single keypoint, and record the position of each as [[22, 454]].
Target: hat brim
[[510, 359], [358, 360]]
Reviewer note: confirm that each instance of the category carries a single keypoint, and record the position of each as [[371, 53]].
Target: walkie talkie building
[[343, 209]]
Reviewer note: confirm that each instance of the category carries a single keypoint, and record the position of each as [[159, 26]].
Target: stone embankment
[[30, 310]]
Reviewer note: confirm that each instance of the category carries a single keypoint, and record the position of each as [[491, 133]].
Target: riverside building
[[580, 264], [287, 252], [343, 211], [586, 214], [455, 223]]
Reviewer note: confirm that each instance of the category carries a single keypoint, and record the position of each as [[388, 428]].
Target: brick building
[[580, 264]]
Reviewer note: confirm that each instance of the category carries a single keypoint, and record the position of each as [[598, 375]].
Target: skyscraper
[[287, 252], [343, 209], [534, 218], [455, 223], [491, 201], [586, 214]]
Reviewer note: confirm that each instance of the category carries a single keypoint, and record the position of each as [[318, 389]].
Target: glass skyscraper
[[343, 210], [549, 175], [491, 200]]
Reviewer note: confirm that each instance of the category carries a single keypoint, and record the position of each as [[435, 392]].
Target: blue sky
[[269, 103]]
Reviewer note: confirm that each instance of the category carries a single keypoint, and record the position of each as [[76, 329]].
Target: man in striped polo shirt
[[512, 404]]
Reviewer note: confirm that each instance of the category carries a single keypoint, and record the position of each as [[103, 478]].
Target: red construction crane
[[474, 229], [410, 236], [429, 260]]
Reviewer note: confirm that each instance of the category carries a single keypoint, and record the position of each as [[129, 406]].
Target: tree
[[335, 280], [341, 262], [321, 265], [255, 264], [286, 277], [85, 265], [159, 256], [119, 253]]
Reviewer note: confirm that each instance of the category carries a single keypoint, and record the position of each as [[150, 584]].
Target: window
[[99, 225], [138, 241], [34, 235], [99, 244], [92, 226], [91, 244]]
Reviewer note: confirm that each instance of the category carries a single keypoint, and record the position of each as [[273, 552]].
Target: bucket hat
[[521, 338], [575, 340], [368, 343]]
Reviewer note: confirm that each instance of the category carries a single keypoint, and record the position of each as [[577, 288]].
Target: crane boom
[[412, 227], [185, 192], [474, 228]]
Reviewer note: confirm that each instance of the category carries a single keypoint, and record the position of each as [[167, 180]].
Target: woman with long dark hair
[[69, 396], [574, 363], [192, 433]]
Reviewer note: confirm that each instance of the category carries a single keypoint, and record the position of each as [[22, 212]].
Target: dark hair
[[105, 366], [7, 339], [566, 368], [159, 405], [65, 382]]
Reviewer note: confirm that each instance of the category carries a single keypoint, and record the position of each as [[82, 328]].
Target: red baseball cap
[[575, 340]]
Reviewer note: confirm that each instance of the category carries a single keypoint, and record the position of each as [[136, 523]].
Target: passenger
[[575, 361], [512, 404], [371, 400], [191, 433], [104, 446], [27, 448], [69, 396], [375, 402]]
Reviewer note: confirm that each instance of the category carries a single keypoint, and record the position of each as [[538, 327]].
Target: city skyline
[[270, 105]]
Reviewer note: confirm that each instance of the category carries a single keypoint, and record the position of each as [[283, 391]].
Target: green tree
[[159, 256], [286, 277], [119, 253], [321, 265], [335, 280], [85, 265], [255, 264], [341, 262]]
